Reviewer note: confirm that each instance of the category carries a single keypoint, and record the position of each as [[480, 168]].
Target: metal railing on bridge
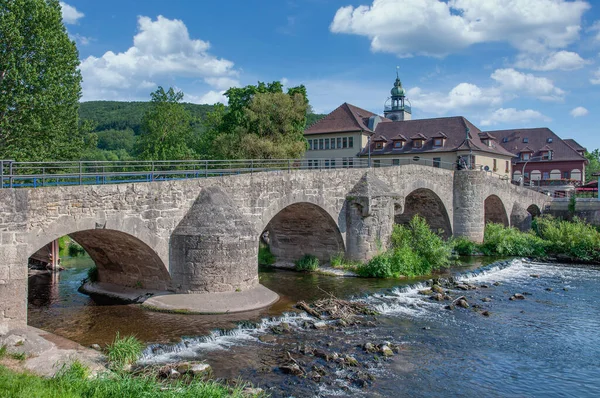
[[43, 174]]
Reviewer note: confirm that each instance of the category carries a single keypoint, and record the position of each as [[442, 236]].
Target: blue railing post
[[10, 173], [80, 173]]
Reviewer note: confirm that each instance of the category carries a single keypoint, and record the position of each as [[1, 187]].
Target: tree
[[594, 165], [40, 84], [166, 130], [261, 122]]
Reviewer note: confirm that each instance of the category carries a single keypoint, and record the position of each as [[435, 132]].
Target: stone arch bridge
[[202, 235]]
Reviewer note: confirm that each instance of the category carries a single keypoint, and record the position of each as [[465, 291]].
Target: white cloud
[[561, 60], [211, 97], [521, 83], [437, 28], [162, 51], [512, 116], [595, 77], [596, 28], [579, 111], [463, 95], [70, 14]]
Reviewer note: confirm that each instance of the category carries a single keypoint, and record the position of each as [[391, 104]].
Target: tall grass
[[509, 241], [415, 250], [73, 382], [123, 351], [576, 239], [307, 263], [265, 257]]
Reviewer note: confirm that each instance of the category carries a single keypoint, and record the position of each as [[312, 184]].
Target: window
[[350, 142], [326, 143], [495, 165], [339, 142], [378, 145], [545, 175], [377, 163], [437, 162], [344, 142], [326, 163], [320, 143], [398, 144], [505, 139], [549, 140], [315, 164], [507, 168], [344, 162], [310, 164], [566, 175], [526, 140], [396, 162], [546, 155], [418, 144], [438, 142], [525, 156], [526, 174]]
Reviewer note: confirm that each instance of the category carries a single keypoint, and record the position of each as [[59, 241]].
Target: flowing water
[[544, 345]]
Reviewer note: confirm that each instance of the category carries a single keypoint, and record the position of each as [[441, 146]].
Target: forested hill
[[120, 115]]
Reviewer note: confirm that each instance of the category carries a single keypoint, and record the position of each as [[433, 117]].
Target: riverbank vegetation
[[74, 381], [307, 263], [265, 257], [574, 240]]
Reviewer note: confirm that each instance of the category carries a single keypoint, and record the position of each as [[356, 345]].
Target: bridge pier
[[469, 197], [520, 218], [370, 211]]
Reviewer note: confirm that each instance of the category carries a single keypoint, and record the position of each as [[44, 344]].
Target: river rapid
[[546, 344]]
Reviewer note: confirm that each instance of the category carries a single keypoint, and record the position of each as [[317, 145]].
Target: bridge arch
[[495, 211], [303, 228], [534, 210], [427, 204], [121, 258]]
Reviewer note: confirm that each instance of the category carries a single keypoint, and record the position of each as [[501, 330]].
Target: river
[[544, 345]]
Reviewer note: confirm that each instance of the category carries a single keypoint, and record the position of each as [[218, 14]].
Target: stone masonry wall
[[150, 212]]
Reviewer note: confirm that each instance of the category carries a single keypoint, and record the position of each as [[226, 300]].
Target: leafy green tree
[[594, 165], [40, 84], [166, 131], [261, 122], [112, 140]]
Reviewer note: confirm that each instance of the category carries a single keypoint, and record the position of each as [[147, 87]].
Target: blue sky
[[500, 63]]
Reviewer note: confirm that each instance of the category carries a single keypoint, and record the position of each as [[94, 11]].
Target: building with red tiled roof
[[541, 155], [350, 132]]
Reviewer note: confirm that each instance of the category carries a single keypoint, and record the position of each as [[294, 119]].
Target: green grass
[[576, 238], [123, 351], [73, 382], [499, 240], [265, 257], [2, 351], [464, 246], [307, 263]]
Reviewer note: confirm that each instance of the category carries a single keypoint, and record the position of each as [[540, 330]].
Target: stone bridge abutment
[[201, 236]]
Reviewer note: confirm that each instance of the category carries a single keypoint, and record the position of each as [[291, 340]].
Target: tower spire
[[396, 108]]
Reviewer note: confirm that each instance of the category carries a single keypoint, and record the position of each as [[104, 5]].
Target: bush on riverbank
[[307, 263], [415, 250], [575, 239], [265, 257], [464, 246], [499, 240], [73, 382]]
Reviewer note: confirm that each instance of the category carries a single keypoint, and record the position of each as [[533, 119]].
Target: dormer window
[[505, 140], [418, 143], [547, 155], [525, 156], [549, 140], [398, 144], [379, 145], [526, 140], [438, 142]]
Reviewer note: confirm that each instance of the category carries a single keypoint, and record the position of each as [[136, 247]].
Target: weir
[[199, 237]]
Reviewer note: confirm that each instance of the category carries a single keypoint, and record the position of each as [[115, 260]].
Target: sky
[[502, 64]]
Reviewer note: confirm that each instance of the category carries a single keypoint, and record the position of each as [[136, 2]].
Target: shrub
[[92, 274], [123, 351], [75, 249], [502, 241], [307, 263], [575, 238], [464, 246], [265, 257], [378, 267]]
